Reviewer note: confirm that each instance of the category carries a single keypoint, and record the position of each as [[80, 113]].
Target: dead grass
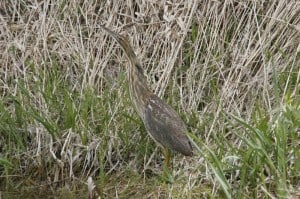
[[65, 109]]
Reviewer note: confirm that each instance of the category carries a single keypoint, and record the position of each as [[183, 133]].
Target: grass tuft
[[231, 71]]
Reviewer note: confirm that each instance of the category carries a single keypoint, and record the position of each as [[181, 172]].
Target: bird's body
[[161, 121]]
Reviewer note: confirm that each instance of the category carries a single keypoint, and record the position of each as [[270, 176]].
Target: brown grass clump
[[66, 114]]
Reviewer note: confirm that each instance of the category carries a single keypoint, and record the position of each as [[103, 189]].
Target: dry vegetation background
[[230, 68]]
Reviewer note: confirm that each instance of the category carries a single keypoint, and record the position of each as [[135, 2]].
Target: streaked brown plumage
[[161, 121]]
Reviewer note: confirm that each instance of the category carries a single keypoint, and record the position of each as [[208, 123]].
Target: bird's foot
[[167, 176]]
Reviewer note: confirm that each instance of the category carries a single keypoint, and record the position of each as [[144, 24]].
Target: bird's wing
[[165, 126]]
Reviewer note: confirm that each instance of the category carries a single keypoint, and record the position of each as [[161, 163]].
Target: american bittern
[[161, 121]]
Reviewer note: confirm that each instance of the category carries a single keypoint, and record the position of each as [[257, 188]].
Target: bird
[[161, 121]]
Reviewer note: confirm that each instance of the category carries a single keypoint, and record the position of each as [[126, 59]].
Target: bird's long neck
[[139, 92], [138, 89]]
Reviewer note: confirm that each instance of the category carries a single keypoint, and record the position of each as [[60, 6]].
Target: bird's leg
[[167, 172], [167, 155]]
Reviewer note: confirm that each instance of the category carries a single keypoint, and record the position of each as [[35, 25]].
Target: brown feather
[[161, 120]]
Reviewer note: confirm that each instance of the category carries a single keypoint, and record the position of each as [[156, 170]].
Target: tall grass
[[230, 69]]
